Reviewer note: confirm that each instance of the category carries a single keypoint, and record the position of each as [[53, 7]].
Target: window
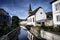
[[41, 13], [57, 6], [38, 22], [33, 19], [58, 18]]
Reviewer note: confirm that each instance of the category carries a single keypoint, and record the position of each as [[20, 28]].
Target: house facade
[[49, 21], [36, 17], [56, 12], [5, 19]]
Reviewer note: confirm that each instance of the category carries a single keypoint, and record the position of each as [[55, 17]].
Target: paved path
[[23, 35]]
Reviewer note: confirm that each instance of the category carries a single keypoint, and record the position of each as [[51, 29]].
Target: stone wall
[[49, 35], [13, 35], [30, 36], [49, 23]]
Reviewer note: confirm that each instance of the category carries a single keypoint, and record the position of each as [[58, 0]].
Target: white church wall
[[40, 15], [30, 20]]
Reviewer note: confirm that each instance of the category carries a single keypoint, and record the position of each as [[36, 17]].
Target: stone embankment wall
[[49, 35], [13, 35]]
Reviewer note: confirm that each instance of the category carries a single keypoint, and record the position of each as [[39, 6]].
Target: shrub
[[39, 28], [57, 29]]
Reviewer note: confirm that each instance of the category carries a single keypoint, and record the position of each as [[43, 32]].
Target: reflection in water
[[23, 35]]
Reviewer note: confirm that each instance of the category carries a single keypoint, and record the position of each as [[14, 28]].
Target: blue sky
[[20, 7]]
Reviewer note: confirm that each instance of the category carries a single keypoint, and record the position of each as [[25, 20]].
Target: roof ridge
[[34, 12], [38, 8]]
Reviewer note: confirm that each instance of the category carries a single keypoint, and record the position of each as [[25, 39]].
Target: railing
[[13, 35]]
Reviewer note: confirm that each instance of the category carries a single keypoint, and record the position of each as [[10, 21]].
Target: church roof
[[53, 1], [34, 12], [2, 11]]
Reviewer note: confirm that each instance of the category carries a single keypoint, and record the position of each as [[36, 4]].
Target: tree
[[15, 21]]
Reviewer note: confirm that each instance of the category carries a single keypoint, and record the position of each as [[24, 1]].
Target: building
[[5, 19], [35, 17], [49, 21], [23, 23], [56, 12]]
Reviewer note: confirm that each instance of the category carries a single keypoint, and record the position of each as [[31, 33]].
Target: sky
[[20, 7]]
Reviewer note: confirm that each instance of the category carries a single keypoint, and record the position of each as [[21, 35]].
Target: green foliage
[[6, 29], [39, 28], [51, 29], [57, 29], [15, 21]]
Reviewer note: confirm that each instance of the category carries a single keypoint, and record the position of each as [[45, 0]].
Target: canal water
[[23, 35]]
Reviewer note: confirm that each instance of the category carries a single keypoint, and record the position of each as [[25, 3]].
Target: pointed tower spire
[[30, 7], [30, 10]]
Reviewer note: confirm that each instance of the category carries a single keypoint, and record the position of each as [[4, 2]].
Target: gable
[[40, 11], [40, 14], [34, 12]]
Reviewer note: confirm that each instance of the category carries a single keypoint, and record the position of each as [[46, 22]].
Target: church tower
[[30, 10]]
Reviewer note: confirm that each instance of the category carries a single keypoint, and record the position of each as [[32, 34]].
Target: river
[[23, 35]]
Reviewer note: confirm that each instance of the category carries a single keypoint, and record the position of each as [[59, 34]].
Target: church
[[36, 16]]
